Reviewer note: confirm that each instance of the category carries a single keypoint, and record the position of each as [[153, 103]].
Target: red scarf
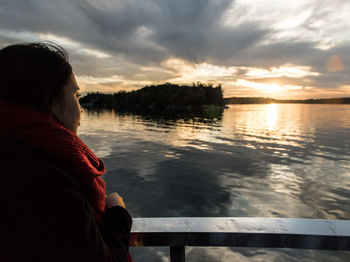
[[47, 134]]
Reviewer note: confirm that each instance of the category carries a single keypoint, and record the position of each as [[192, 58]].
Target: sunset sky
[[282, 49]]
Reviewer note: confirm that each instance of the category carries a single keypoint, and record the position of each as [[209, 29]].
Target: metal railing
[[177, 233]]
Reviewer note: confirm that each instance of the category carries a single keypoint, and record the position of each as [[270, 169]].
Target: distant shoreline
[[263, 100]]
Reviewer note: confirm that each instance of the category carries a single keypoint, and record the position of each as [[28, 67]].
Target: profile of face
[[68, 109]]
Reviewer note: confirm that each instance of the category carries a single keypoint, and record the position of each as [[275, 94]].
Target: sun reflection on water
[[267, 124], [271, 116]]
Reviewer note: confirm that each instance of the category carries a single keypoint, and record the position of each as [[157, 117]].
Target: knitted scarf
[[48, 135]]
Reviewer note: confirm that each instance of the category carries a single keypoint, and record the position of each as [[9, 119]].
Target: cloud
[[145, 32], [136, 39]]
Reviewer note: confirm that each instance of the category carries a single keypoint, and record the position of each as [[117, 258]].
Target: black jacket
[[45, 215]]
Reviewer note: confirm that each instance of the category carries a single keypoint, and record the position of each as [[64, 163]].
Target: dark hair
[[34, 74]]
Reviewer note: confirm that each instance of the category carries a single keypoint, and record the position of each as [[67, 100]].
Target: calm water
[[256, 161]]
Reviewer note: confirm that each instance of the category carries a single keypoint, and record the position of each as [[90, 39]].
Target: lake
[[275, 160]]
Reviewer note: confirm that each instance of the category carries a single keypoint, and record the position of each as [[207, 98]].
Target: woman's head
[[39, 75]]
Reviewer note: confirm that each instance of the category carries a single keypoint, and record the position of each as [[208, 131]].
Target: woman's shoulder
[[32, 181], [21, 152], [26, 168]]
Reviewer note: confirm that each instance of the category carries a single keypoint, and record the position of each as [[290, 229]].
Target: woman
[[54, 206]]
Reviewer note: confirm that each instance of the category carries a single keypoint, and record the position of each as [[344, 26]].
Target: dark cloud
[[57, 17], [194, 32], [145, 32]]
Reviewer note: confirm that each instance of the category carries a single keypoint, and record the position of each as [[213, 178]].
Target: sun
[[273, 88]]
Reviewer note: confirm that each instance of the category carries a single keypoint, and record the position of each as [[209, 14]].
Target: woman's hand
[[114, 199]]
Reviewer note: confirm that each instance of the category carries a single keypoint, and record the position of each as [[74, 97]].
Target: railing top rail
[[297, 226], [178, 232]]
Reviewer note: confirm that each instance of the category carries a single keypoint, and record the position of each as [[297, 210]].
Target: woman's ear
[[55, 107], [58, 105]]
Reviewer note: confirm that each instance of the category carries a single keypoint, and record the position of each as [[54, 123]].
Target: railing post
[[177, 254]]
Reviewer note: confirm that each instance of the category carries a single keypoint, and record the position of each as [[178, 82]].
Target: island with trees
[[198, 99]]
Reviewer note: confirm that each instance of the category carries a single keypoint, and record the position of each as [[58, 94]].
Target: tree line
[[159, 97]]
